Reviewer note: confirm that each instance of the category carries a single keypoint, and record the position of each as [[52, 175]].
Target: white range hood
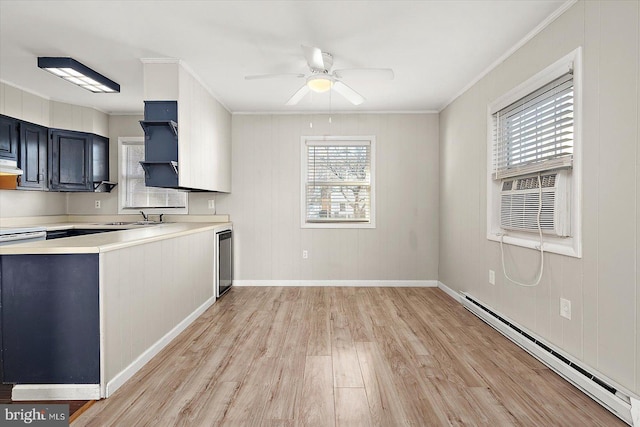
[[9, 167]]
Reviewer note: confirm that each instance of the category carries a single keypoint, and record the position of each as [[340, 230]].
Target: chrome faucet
[[144, 216]]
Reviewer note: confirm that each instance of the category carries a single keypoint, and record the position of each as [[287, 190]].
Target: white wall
[[264, 203], [604, 331]]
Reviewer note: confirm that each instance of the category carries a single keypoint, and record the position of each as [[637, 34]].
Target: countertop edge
[[96, 243]]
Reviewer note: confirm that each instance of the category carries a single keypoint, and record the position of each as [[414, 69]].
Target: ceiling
[[436, 48]]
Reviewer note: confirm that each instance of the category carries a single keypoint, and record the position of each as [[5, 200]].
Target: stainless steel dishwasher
[[224, 263]]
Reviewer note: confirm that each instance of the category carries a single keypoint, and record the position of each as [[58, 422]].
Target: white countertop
[[108, 241]]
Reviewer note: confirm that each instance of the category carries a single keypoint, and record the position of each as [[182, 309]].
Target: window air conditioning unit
[[520, 201]]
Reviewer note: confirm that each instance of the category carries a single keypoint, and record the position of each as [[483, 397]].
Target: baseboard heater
[[597, 386]]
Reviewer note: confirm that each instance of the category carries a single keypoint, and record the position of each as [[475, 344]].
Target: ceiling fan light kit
[[322, 79], [320, 83]]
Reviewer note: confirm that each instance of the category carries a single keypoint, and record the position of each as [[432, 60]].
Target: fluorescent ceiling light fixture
[[320, 82], [75, 72]]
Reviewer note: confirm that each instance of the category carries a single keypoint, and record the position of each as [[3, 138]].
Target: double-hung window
[[534, 168], [134, 195], [338, 182]]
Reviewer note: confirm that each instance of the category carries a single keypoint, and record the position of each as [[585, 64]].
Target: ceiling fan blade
[[377, 73], [313, 55], [352, 96], [273, 76], [297, 97]]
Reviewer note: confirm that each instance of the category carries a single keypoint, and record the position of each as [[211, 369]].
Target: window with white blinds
[[534, 129], [338, 182], [134, 194], [535, 133]]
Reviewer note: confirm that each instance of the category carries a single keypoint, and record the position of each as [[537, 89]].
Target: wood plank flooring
[[343, 357]]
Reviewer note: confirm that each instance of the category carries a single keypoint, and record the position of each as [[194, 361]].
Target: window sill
[[338, 225], [561, 246]]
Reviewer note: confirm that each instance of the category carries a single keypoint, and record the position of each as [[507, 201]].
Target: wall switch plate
[[305, 254], [565, 308], [98, 204], [492, 277], [212, 204]]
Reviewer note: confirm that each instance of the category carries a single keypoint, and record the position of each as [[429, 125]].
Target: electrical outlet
[[305, 254], [212, 204], [565, 308], [97, 204], [492, 277]]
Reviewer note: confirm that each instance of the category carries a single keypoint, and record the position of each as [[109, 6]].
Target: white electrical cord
[[504, 269]]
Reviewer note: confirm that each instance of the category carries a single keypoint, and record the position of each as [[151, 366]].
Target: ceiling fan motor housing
[[327, 59]]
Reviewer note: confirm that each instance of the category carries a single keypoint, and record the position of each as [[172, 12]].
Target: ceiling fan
[[322, 79]]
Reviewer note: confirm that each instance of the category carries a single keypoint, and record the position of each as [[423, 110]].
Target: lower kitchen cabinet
[[50, 319], [32, 156], [79, 325]]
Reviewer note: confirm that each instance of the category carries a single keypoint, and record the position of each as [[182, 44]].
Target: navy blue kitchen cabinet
[[8, 138], [32, 156], [77, 160], [70, 160], [49, 307], [100, 159]]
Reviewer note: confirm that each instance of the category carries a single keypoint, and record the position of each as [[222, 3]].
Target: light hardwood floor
[[345, 357]]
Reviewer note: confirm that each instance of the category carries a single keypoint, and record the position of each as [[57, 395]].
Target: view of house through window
[[134, 194], [338, 182]]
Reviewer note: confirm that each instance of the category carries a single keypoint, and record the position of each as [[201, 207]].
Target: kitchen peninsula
[[81, 315]]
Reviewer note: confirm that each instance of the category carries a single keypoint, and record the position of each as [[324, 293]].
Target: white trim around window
[[329, 213]]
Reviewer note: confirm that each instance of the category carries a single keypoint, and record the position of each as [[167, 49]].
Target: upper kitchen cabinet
[[77, 160], [8, 138], [32, 156], [100, 159], [70, 160], [203, 129]]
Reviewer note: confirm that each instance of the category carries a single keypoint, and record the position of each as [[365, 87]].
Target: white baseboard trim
[[56, 392], [145, 357], [453, 294], [345, 283]]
